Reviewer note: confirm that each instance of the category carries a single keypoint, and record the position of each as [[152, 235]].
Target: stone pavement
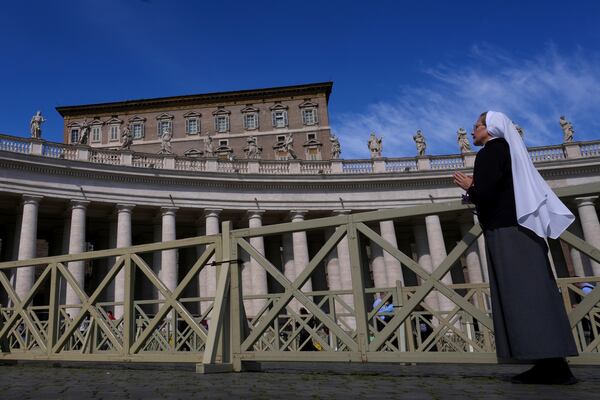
[[285, 380]]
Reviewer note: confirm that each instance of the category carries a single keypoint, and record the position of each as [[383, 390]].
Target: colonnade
[[428, 246]]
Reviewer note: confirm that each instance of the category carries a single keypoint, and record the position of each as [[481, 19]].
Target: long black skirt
[[530, 321]]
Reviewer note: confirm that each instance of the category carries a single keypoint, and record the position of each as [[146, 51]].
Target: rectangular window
[[281, 138], [224, 142], [137, 130], [311, 136], [280, 119], [222, 123], [309, 116], [74, 135], [191, 126], [95, 133], [114, 132], [250, 121]]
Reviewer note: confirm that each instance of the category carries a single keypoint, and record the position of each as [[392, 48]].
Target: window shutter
[[187, 125], [142, 129], [227, 123], [285, 118], [274, 119], [245, 120], [257, 121], [316, 115]]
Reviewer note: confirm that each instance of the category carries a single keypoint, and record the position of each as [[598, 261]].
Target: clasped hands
[[462, 180]]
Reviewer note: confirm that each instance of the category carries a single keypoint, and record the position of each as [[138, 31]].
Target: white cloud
[[533, 91]]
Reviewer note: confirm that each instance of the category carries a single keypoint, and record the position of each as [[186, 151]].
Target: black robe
[[530, 321]]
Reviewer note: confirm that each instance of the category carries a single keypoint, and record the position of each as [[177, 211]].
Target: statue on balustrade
[[36, 125], [84, 134], [567, 128], [463, 141], [520, 130], [209, 147], [336, 150], [165, 142], [253, 151], [126, 138], [420, 143], [375, 145], [286, 146]]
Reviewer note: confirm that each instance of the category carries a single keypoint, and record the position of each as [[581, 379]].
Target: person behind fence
[[382, 309], [517, 211], [306, 342]]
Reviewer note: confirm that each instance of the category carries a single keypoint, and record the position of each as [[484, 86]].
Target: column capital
[[212, 212], [298, 214], [255, 214], [31, 199], [79, 204], [124, 207], [586, 201], [168, 210]]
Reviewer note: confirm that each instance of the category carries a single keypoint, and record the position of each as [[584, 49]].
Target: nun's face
[[480, 133]]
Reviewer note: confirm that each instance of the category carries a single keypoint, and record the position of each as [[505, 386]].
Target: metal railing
[[218, 332]]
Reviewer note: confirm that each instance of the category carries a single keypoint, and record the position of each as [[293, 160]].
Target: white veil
[[538, 207]]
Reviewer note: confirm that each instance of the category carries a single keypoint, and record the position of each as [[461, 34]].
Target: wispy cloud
[[534, 91]]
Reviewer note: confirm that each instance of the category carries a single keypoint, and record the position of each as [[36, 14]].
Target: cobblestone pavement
[[285, 380]]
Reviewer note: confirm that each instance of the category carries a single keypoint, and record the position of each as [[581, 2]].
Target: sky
[[397, 66]]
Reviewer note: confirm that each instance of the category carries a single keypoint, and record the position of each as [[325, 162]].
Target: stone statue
[[209, 147], [463, 141], [520, 130], [335, 147], [288, 146], [36, 125], [253, 152], [84, 134], [165, 143], [375, 145], [126, 138], [420, 143], [567, 128]]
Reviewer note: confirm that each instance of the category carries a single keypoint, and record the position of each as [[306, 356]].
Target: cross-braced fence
[[431, 320]]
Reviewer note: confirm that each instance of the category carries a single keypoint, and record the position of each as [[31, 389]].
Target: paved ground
[[285, 380]]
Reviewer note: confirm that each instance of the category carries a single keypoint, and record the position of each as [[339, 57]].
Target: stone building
[[229, 118]]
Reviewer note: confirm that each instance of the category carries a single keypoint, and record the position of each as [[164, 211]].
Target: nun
[[517, 211]]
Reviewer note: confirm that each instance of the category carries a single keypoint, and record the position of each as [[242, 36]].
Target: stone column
[[392, 265], [581, 263], [333, 266], [156, 256], [123, 239], [380, 279], [208, 275], [474, 272], [437, 249], [300, 245], [76, 245], [424, 260], [590, 225], [25, 276], [169, 268], [258, 274]]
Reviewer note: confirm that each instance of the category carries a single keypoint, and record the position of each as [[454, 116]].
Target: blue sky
[[397, 66]]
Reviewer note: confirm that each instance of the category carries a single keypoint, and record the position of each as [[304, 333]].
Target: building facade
[[271, 124]]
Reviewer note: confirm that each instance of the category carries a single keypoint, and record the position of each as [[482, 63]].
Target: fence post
[[53, 314], [358, 291], [128, 307]]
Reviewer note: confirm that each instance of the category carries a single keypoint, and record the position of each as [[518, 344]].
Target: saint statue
[[567, 128], [375, 145], [165, 142], [520, 130], [463, 141], [288, 146], [420, 143], [126, 138], [84, 134], [209, 147], [253, 152], [36, 125], [335, 147]]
